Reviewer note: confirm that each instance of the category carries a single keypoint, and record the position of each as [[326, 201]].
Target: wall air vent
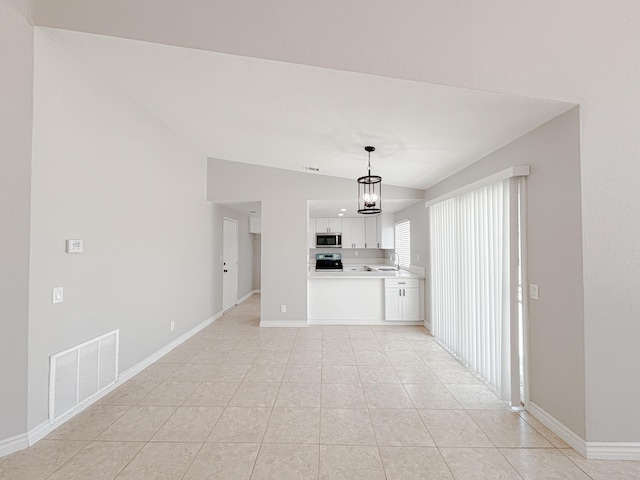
[[310, 169], [81, 372]]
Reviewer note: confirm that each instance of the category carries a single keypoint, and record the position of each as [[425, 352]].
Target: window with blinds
[[403, 243]]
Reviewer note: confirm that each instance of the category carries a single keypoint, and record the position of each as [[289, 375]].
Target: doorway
[[229, 264]]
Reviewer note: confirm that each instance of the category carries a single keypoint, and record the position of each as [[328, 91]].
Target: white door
[[230, 264]]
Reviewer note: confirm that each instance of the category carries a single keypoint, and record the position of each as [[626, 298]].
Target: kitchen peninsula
[[366, 295]]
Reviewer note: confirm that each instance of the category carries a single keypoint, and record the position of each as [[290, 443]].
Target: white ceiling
[[288, 116]]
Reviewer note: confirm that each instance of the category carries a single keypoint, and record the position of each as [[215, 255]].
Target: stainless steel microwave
[[328, 240]]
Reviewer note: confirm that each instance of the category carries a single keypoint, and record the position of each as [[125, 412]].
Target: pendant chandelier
[[369, 191]]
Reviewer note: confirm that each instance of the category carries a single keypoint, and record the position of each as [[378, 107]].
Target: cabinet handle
[[400, 292], [402, 283], [404, 293]]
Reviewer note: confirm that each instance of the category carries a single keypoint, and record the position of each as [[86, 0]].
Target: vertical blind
[[403, 243], [471, 282]]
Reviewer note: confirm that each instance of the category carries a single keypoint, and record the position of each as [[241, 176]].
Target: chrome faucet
[[397, 262]]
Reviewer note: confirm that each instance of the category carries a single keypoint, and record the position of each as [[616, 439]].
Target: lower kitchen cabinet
[[402, 300], [351, 299]]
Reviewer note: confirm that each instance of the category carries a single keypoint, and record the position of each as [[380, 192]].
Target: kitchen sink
[[376, 268]]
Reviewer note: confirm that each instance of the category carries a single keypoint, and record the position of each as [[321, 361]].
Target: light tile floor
[[242, 402]]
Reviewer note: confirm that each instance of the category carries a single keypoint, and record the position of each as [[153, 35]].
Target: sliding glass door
[[476, 279]]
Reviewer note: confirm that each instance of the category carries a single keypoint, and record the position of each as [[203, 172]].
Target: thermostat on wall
[[74, 246]]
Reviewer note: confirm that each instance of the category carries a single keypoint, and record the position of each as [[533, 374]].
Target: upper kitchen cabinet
[[379, 231], [371, 235], [328, 225], [359, 232], [353, 233], [387, 234], [347, 233], [322, 225]]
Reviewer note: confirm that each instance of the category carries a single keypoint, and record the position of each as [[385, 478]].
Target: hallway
[[241, 402]]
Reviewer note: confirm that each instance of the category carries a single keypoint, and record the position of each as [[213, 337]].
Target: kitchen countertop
[[365, 274]]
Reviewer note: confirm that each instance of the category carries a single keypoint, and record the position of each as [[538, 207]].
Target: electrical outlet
[[417, 257], [283, 309], [533, 291], [173, 325]]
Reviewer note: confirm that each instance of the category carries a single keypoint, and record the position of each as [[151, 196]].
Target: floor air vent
[[81, 372]]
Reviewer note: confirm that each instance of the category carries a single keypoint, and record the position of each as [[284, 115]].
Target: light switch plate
[[533, 291], [74, 246], [57, 295]]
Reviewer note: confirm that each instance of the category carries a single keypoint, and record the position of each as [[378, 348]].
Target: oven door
[[328, 240]]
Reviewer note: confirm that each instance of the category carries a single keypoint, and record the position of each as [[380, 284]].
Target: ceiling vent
[[310, 169]]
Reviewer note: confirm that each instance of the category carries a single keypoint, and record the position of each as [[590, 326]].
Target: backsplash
[[365, 256]]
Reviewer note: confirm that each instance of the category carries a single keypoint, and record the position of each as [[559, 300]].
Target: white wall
[[284, 195], [16, 86], [107, 172], [556, 333]]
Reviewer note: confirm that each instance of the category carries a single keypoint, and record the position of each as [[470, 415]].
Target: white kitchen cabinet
[[322, 225], [347, 233], [379, 231], [387, 232], [328, 225], [358, 232], [335, 225], [353, 233], [402, 300], [371, 237]]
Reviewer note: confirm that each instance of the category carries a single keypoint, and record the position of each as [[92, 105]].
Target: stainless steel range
[[329, 262]]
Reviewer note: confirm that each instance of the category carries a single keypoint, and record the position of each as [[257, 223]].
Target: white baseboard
[[245, 297], [14, 444], [377, 323], [27, 439], [589, 450], [158, 354], [573, 439], [613, 450], [427, 325], [283, 323]]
